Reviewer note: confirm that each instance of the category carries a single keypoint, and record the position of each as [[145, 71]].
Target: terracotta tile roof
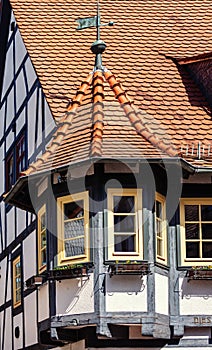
[[87, 131], [143, 50]]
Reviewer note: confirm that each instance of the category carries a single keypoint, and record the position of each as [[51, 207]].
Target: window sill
[[131, 268]]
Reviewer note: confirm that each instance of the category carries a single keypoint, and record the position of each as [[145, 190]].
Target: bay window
[[124, 224], [73, 223], [196, 231], [161, 228]]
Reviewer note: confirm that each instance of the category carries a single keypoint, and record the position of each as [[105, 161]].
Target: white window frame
[[161, 258], [138, 253], [192, 261], [62, 259], [41, 212]]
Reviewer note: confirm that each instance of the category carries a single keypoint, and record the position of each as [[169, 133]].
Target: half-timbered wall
[[23, 111]]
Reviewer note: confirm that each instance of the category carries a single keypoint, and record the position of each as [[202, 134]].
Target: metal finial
[[99, 46]]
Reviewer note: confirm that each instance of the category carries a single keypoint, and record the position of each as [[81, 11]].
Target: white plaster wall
[[10, 225], [3, 222], [161, 294], [20, 49], [126, 293], [8, 330], [18, 322], [31, 76], [2, 182], [31, 125], [50, 123], [195, 297], [4, 278], [29, 255], [10, 107], [8, 72], [43, 302], [2, 115], [75, 296], [9, 140], [20, 90], [21, 220], [30, 319], [20, 121]]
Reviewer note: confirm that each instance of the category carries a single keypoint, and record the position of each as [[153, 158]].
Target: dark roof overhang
[[20, 194]]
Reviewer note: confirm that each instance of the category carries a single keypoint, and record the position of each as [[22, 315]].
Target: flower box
[[131, 268], [69, 271], [199, 274], [34, 282]]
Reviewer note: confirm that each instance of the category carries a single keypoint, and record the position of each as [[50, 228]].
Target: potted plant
[[69, 271], [199, 272]]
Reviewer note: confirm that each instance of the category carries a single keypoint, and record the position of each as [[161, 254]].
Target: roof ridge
[[132, 115], [98, 114], [63, 127]]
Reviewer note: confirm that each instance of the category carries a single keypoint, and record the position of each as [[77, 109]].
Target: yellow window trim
[[42, 211], [16, 303], [62, 260], [162, 259], [138, 254], [191, 261]]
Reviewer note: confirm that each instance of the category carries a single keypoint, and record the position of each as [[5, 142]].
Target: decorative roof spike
[[99, 46]]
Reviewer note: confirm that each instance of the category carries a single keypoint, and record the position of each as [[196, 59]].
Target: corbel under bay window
[[73, 228], [196, 231], [16, 266], [161, 229], [42, 232], [125, 240]]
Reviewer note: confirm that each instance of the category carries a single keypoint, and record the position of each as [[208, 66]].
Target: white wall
[[30, 320], [29, 256], [18, 322], [126, 293], [195, 297], [43, 302], [161, 294], [75, 296]]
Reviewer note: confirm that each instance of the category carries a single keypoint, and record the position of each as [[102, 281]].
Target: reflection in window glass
[[74, 229], [198, 231]]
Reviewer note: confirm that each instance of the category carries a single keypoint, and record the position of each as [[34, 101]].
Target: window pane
[[74, 228], [125, 204], [18, 295], [73, 210], [207, 250], [192, 250], [192, 231], [159, 212], [43, 257], [18, 269], [206, 212], [207, 231], [124, 223], [124, 243], [191, 212], [43, 239], [74, 247], [159, 228], [159, 247], [43, 222]]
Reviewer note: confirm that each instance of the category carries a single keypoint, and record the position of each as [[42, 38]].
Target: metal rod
[[98, 21]]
